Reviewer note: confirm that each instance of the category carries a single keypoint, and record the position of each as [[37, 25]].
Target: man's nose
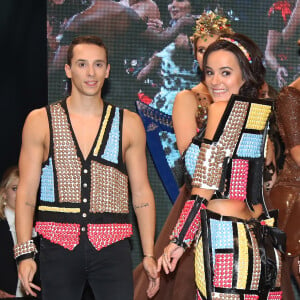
[[91, 70]]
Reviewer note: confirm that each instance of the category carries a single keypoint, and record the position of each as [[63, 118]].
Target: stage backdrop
[[151, 60]]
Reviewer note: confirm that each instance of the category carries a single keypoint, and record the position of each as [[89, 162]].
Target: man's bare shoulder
[[132, 118], [37, 115], [37, 121]]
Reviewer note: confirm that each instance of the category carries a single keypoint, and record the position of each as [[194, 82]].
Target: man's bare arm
[[31, 158], [142, 195]]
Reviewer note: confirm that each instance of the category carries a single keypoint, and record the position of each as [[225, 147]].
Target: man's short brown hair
[[85, 39]]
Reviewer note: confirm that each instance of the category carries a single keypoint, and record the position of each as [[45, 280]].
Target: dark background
[[23, 70]]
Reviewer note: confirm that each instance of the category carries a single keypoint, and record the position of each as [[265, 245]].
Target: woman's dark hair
[[253, 72]]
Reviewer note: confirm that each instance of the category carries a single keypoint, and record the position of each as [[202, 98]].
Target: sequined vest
[[232, 163], [84, 196]]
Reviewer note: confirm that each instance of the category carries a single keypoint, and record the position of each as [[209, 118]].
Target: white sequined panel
[[210, 160], [67, 163], [109, 189]]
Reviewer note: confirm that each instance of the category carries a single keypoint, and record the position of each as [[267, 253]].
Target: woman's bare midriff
[[234, 208]]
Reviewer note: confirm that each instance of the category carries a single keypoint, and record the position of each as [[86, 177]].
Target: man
[[83, 151]]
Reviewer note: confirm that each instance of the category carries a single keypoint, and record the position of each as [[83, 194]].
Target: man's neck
[[85, 105]]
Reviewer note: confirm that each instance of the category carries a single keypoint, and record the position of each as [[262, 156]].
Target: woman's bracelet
[[25, 250], [150, 256]]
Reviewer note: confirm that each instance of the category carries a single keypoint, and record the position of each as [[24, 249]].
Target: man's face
[[179, 9], [88, 69]]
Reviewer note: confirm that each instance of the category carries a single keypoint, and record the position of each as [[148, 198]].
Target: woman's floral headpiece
[[209, 23]]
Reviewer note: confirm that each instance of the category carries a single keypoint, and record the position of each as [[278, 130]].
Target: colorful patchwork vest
[[80, 195]]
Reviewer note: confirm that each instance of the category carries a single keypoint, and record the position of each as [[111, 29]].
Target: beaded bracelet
[[25, 250]]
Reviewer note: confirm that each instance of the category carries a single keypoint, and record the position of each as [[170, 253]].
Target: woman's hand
[[170, 257]]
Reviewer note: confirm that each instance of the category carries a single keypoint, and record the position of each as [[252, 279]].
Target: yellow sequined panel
[[199, 268], [243, 259], [258, 116], [270, 222], [101, 134], [109, 189], [67, 163]]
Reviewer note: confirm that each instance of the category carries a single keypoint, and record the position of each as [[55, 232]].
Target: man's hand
[[27, 269], [150, 267], [169, 259]]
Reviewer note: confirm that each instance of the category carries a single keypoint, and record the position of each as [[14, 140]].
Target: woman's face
[[202, 43], [179, 9], [223, 75], [11, 192]]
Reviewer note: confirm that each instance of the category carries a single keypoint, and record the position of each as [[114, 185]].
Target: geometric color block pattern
[[222, 235], [109, 189], [47, 183], [243, 257], [258, 116], [111, 151], [190, 158], [67, 163], [238, 180], [199, 269], [250, 145], [63, 234], [223, 270], [193, 227], [102, 235]]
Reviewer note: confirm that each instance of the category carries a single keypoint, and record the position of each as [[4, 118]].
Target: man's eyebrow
[[84, 60]]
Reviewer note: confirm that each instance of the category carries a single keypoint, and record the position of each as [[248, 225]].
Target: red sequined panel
[[198, 296], [193, 228], [223, 270], [66, 235], [251, 297], [239, 177], [67, 163], [103, 235], [109, 189], [275, 295]]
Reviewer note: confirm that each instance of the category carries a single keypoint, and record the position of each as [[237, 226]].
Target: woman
[[181, 286], [10, 286], [235, 257], [194, 102], [285, 195]]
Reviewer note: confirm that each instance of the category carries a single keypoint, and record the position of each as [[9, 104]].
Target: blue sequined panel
[[250, 145], [190, 158], [111, 151], [221, 235], [47, 183]]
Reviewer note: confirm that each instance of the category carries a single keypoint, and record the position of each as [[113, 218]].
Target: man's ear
[[68, 71], [107, 71]]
